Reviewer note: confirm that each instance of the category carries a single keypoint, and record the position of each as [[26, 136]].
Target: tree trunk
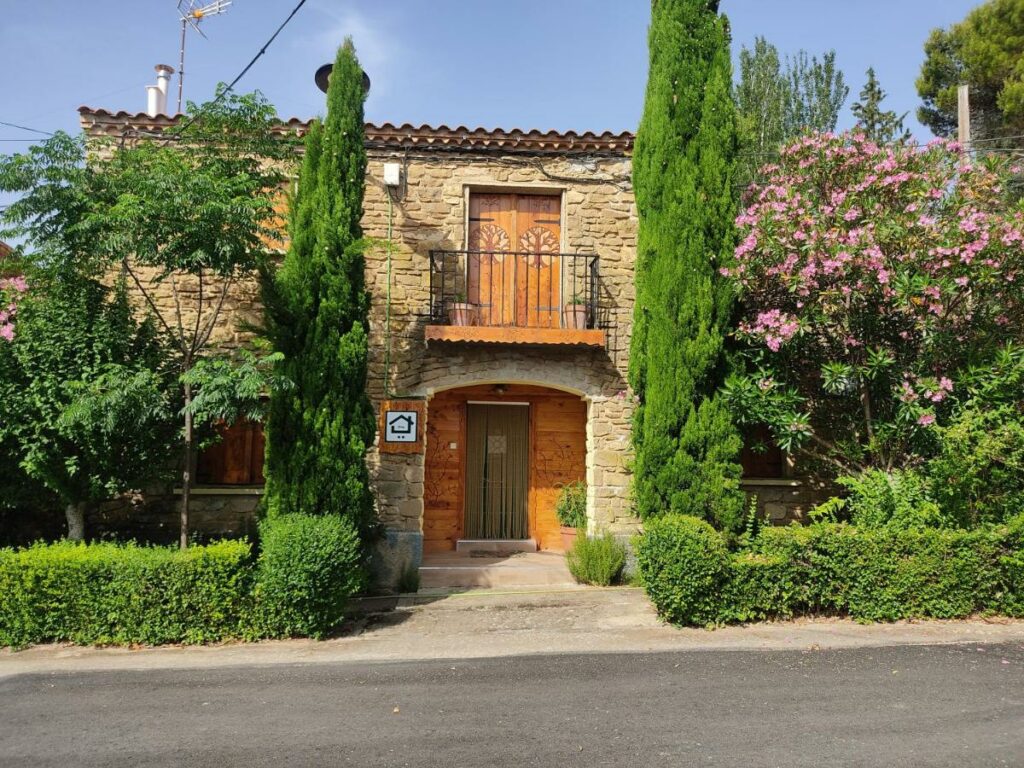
[[186, 477], [75, 514]]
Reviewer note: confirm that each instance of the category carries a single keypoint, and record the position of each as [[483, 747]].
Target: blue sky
[[564, 64]]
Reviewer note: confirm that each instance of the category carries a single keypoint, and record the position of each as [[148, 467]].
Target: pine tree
[[881, 126], [317, 306], [686, 445]]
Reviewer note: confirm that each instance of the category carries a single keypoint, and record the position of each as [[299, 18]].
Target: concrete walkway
[[492, 624]]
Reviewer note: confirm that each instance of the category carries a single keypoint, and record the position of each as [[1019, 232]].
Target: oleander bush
[[869, 574], [309, 566], [598, 560], [124, 593]]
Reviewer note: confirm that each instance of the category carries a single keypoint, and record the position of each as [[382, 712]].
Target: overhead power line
[[26, 128], [254, 59]]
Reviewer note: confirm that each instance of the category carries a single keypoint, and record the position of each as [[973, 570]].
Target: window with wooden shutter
[[237, 459], [761, 457]]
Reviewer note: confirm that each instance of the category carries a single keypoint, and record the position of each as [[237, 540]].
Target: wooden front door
[[497, 471], [513, 270], [557, 456]]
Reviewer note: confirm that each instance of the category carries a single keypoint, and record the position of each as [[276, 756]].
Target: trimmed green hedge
[[107, 593], [869, 574], [683, 563], [309, 567], [122, 593]]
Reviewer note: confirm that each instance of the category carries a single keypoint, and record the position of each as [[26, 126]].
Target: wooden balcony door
[[513, 271]]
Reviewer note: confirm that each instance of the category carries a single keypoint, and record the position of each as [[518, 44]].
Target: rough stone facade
[[428, 212], [440, 168]]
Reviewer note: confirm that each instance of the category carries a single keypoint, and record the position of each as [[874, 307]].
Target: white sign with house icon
[[400, 426]]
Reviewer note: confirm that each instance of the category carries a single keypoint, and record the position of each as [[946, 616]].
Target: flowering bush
[[871, 278], [11, 289]]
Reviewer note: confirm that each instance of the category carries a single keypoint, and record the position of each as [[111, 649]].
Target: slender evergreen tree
[[880, 125], [317, 306], [685, 441]]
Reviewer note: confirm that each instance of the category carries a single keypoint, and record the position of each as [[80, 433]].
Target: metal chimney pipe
[[156, 95], [153, 99]]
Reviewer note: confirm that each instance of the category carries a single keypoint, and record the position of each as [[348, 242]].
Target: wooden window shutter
[[761, 457], [237, 459]]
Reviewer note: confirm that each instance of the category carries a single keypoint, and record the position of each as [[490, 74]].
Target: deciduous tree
[[191, 213], [778, 100]]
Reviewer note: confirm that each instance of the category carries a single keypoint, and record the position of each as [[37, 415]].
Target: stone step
[[539, 569], [495, 546]]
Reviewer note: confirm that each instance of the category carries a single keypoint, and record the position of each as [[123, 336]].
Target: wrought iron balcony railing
[[514, 289]]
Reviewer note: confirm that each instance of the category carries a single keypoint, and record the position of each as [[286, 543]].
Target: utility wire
[[991, 139], [254, 59], [26, 128]]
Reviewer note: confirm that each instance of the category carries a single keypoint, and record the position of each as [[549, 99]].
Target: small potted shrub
[[461, 312], [574, 314], [571, 509]]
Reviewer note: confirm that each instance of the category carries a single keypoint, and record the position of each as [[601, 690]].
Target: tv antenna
[[192, 12]]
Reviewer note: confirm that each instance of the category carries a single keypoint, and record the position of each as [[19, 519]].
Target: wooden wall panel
[[558, 454], [444, 473]]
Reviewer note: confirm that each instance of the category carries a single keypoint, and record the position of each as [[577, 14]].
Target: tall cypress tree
[[686, 445], [317, 307]]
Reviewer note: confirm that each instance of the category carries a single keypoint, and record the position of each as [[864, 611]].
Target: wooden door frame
[[455, 401]]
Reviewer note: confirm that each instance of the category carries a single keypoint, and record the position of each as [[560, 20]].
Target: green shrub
[[1012, 567], [571, 506], [683, 564], [880, 575], [309, 566], [899, 499], [122, 593], [978, 474], [759, 587], [598, 560], [870, 574]]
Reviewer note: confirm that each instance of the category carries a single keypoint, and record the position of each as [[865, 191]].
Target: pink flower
[[926, 419], [7, 331]]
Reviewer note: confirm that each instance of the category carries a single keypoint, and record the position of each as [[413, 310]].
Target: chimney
[[156, 95]]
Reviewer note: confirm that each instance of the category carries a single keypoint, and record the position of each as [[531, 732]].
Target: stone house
[[502, 305]]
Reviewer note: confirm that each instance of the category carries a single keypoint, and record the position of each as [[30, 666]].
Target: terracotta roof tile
[[103, 122]]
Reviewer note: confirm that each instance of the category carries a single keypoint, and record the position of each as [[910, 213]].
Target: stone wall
[[428, 212], [788, 500]]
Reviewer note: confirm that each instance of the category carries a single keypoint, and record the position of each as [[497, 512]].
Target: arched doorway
[[497, 456]]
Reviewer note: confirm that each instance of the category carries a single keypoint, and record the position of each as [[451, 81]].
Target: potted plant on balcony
[[574, 313], [461, 312], [571, 510]]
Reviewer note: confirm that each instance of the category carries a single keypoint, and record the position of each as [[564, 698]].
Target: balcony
[[510, 297]]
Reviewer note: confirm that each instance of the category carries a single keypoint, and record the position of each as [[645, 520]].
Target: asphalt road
[[905, 706]]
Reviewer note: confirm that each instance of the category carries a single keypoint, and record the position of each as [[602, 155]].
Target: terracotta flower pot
[[461, 313], [568, 537], [574, 316]]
